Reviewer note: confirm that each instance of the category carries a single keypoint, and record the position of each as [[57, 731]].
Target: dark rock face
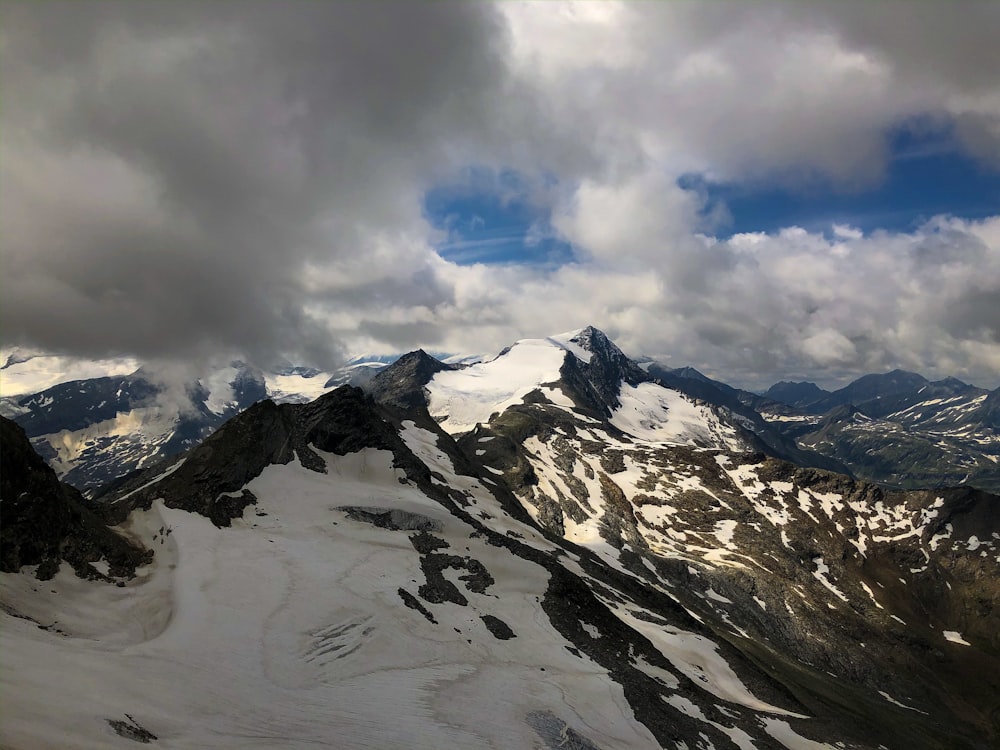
[[223, 464], [500, 630], [391, 518], [556, 735], [131, 730], [342, 421], [989, 414], [43, 521], [401, 384], [413, 603], [595, 385]]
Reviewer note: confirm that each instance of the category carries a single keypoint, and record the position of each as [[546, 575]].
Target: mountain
[[902, 430], [870, 388], [93, 431], [744, 405], [402, 384], [26, 371], [876, 394], [800, 394], [359, 370], [96, 430], [545, 550]]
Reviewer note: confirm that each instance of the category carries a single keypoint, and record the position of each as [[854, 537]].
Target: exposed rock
[[392, 518], [131, 730], [413, 603], [44, 521], [402, 383], [500, 630], [556, 734], [342, 421]]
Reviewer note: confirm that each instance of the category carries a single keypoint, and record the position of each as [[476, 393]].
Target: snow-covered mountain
[[545, 550]]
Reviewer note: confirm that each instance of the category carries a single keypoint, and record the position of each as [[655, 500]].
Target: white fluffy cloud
[[182, 179]]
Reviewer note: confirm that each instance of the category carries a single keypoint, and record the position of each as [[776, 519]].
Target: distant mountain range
[[98, 429], [898, 429]]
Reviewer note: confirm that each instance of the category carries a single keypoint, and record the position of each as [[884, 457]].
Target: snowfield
[[656, 414], [467, 397], [288, 630]]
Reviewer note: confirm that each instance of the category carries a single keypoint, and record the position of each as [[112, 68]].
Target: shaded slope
[[43, 521]]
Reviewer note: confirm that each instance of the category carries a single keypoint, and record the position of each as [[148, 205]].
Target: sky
[[764, 191]]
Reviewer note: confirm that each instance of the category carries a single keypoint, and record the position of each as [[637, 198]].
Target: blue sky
[[490, 216], [925, 176]]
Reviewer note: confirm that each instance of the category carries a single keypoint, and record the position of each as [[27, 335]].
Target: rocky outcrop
[[595, 385], [401, 384], [44, 522], [211, 478]]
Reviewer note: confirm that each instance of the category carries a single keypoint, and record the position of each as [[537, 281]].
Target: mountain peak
[[590, 338], [585, 342], [690, 373], [402, 383], [595, 377], [798, 394]]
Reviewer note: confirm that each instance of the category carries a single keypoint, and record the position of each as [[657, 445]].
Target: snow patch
[[651, 412], [955, 637]]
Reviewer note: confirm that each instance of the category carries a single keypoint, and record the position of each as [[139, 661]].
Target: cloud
[[200, 180], [171, 171], [847, 232]]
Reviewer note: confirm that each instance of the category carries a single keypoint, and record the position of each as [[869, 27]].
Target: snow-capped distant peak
[[466, 397], [463, 398], [27, 371]]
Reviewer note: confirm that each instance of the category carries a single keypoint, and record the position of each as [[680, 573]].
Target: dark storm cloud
[[170, 168], [976, 315]]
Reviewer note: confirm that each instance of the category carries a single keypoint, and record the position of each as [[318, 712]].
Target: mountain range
[[554, 548], [98, 429], [897, 429]]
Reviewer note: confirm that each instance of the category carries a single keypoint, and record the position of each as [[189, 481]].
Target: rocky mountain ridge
[[910, 432]]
